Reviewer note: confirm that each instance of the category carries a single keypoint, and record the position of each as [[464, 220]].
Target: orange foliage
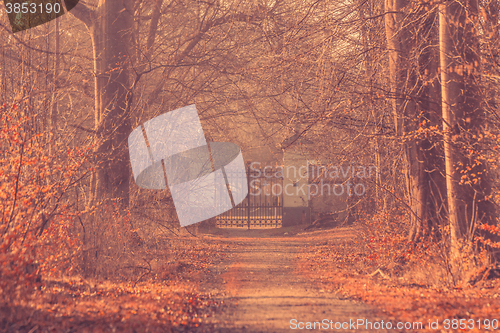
[[35, 211]]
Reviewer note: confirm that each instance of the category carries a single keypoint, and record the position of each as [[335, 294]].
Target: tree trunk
[[463, 121], [392, 29], [429, 103], [113, 115], [53, 104], [404, 111], [110, 27], [110, 30], [365, 10]]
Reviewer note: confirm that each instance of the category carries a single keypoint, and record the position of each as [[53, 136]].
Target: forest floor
[[269, 294], [417, 294], [252, 281]]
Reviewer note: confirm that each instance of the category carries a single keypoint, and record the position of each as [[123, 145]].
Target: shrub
[[36, 210]]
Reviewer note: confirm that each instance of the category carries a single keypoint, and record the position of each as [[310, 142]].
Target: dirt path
[[265, 293]]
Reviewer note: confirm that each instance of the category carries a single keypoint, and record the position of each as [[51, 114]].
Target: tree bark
[[393, 20], [365, 10], [53, 104], [404, 111], [110, 28], [463, 122], [414, 87], [448, 88], [113, 117]]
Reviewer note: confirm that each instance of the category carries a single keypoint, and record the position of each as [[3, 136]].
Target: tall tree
[[110, 26], [467, 180], [411, 32], [404, 108]]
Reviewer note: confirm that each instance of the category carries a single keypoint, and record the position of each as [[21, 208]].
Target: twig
[[379, 271], [84, 129], [16, 190], [146, 273], [190, 232]]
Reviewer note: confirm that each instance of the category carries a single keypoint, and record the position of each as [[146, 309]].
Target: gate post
[[295, 206]]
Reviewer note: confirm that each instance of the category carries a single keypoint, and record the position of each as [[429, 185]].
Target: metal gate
[[263, 206]]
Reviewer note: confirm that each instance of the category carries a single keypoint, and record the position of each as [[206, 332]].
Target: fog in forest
[[249, 166]]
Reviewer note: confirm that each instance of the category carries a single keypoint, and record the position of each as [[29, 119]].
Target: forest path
[[265, 293]]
